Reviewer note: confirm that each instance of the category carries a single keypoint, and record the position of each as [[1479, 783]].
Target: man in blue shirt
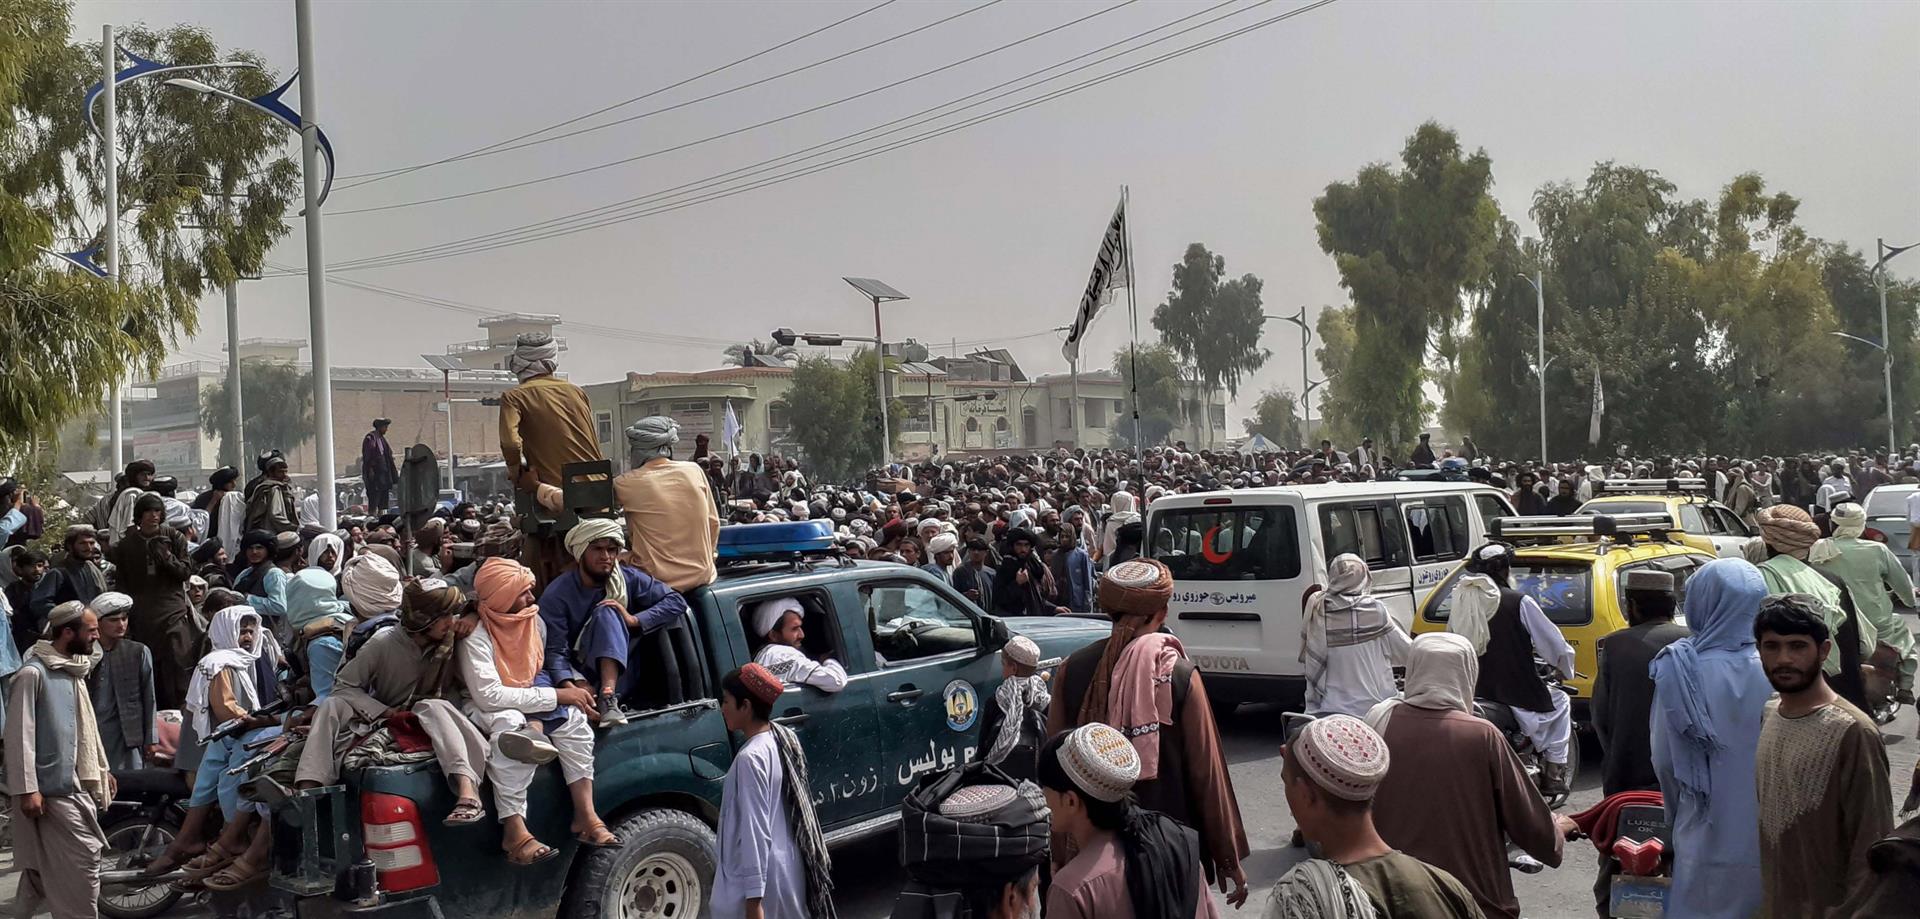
[[12, 518], [588, 623]]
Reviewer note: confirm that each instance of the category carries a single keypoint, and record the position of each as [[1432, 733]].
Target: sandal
[[466, 812], [235, 876], [609, 841], [208, 862], [530, 851], [167, 863]]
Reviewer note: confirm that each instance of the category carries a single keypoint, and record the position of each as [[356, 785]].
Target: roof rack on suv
[[1533, 530], [1651, 487]]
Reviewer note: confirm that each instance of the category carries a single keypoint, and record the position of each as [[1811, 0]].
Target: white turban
[[654, 434], [1849, 520], [319, 547], [945, 542], [769, 613], [591, 530], [534, 355], [111, 603], [372, 585]]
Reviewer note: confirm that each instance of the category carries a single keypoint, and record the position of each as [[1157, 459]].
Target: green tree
[[1158, 373], [1847, 275], [1212, 325], [203, 187], [278, 401], [1277, 416], [1407, 243], [1333, 328], [835, 418]]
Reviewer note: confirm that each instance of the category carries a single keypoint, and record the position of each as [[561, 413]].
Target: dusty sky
[[992, 230]]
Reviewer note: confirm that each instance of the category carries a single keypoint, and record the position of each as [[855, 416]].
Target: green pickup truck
[[921, 661]]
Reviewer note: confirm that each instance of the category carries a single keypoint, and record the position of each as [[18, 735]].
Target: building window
[[689, 407], [603, 426], [1063, 413], [1096, 413], [1218, 416], [777, 416], [1000, 423], [973, 424], [1119, 406]]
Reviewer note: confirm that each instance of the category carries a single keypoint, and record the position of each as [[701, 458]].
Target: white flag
[[1109, 272], [730, 430], [1599, 408]]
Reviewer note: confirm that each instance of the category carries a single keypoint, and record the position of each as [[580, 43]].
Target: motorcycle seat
[[1499, 713], [147, 784]]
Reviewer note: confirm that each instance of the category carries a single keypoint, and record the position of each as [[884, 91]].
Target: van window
[[1228, 543], [1564, 592], [1371, 531], [1492, 506], [1437, 528]]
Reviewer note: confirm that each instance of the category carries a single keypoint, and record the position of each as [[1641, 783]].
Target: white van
[[1245, 561]]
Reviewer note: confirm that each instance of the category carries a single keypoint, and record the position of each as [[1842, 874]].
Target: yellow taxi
[[1574, 568], [1698, 520]]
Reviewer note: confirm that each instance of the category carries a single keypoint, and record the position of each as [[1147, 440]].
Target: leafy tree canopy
[[1212, 325], [1277, 416], [835, 415], [278, 402]]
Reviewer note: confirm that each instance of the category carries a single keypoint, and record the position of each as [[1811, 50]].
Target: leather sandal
[[530, 851]]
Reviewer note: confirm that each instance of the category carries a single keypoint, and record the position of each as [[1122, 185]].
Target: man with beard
[[1789, 534], [590, 629], [975, 578], [29, 567], [81, 576], [57, 770], [114, 513], [1024, 585], [1822, 772], [270, 504], [154, 567], [1183, 772], [671, 517], [377, 469]]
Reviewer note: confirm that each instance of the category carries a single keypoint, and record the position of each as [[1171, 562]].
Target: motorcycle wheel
[[133, 841]]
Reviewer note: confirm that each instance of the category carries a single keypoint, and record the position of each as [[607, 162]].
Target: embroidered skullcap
[[111, 603], [769, 613], [1649, 579], [1341, 755], [977, 803], [761, 683], [1101, 762], [1136, 587], [1021, 650], [65, 614], [1787, 529]]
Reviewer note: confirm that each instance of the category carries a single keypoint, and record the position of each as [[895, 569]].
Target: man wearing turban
[[405, 669], [669, 505], [1874, 580], [594, 610], [545, 423], [529, 720], [1790, 535], [1140, 681]]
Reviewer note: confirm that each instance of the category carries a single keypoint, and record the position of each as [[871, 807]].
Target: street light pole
[[880, 382], [1885, 254], [109, 152], [316, 264], [238, 431], [1540, 367]]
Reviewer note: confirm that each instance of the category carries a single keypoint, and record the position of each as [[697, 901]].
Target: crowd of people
[[176, 628]]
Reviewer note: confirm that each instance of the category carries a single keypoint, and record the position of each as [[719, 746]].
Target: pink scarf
[[1141, 699]]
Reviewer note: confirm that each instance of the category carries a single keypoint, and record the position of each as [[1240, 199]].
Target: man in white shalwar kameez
[[765, 870], [778, 623]]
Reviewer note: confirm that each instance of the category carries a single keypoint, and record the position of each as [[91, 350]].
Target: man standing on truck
[[589, 628], [778, 623], [545, 423], [528, 720], [773, 859], [1140, 681], [57, 770], [406, 669], [671, 517]]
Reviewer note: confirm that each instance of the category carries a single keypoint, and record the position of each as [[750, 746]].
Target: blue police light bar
[[761, 540]]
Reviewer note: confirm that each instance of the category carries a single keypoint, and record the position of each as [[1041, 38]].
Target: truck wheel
[[663, 870]]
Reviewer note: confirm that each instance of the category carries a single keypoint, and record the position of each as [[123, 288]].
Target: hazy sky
[[993, 229]]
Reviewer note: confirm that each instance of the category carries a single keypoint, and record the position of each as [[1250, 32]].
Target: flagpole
[[1133, 317]]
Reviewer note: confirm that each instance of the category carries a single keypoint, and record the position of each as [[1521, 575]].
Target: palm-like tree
[[736, 355]]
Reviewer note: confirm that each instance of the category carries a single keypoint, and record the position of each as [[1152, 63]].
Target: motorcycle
[[139, 825], [1631, 829], [1533, 760]]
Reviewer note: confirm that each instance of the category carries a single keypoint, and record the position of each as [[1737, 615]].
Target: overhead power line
[[725, 134], [515, 143], [604, 216]]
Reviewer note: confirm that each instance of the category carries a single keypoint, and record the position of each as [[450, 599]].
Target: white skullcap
[[1101, 762], [769, 613], [111, 603], [1021, 650]]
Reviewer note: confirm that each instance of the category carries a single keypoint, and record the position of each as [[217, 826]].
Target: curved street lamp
[[272, 105]]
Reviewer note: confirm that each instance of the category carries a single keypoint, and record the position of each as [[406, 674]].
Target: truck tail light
[[396, 842]]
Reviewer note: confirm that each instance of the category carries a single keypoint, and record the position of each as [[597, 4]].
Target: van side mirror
[[997, 635]]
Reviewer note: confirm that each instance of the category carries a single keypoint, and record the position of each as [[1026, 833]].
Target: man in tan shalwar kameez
[[545, 423]]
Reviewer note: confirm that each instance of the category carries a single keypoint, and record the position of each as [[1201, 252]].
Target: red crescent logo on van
[[1206, 548]]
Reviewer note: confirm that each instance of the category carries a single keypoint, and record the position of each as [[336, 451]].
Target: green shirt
[[1874, 577]]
